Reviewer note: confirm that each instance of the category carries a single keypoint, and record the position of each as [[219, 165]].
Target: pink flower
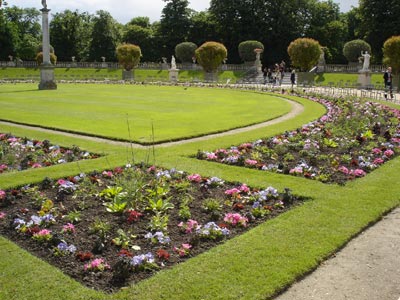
[[388, 153], [36, 166], [2, 215], [183, 250], [151, 169], [2, 194], [296, 170], [232, 192], [235, 219], [344, 170], [250, 162], [107, 174], [378, 161], [244, 188], [189, 225], [97, 264], [194, 178], [359, 173], [376, 151], [68, 228], [212, 156], [61, 181]]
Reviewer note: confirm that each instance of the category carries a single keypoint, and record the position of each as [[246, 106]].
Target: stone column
[[46, 68]]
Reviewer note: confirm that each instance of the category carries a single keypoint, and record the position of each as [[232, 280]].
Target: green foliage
[[100, 228], [210, 55], [39, 58], [304, 53], [128, 55], [213, 207], [352, 50], [74, 216], [157, 203], [124, 240], [246, 50], [159, 222], [391, 53], [185, 51]]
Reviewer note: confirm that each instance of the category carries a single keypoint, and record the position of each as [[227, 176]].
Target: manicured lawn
[[255, 265], [170, 113]]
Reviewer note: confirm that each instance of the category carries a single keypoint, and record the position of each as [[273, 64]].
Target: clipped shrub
[[210, 55], [40, 48], [128, 56], [185, 51], [391, 53], [39, 58], [246, 50], [352, 50], [304, 53]]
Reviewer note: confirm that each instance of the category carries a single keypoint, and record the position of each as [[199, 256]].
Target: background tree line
[[274, 23]]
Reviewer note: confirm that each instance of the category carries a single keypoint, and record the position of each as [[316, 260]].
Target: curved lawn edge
[[255, 265]]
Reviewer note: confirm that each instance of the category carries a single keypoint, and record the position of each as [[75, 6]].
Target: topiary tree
[[185, 51], [128, 56], [39, 58], [210, 56], [304, 53], [352, 50], [246, 50], [391, 53]]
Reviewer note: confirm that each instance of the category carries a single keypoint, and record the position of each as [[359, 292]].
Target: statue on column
[[44, 4], [367, 57]]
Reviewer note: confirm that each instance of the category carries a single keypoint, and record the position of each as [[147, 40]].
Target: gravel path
[[368, 268]]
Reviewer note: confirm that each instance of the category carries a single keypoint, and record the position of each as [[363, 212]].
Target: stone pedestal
[[127, 75], [364, 79], [47, 81], [173, 75]]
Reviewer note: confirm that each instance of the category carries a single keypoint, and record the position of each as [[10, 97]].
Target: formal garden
[[96, 203]]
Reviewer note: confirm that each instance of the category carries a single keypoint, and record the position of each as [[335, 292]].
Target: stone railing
[[351, 68], [115, 65]]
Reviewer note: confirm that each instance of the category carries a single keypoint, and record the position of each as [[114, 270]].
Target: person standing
[[293, 78], [388, 78]]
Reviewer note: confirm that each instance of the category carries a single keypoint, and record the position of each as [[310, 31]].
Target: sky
[[124, 10]]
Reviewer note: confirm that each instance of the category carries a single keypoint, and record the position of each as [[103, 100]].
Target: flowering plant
[[189, 226], [43, 235], [68, 228], [64, 249], [97, 265], [158, 237], [212, 231], [236, 219], [143, 262], [183, 250], [194, 178]]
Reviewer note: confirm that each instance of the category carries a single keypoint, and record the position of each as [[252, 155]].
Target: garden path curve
[[297, 109]]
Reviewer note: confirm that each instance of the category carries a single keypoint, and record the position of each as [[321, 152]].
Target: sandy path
[[368, 268]]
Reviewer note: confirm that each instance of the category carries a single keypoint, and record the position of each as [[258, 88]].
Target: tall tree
[[174, 25], [69, 34], [379, 21], [143, 36], [22, 26], [105, 37]]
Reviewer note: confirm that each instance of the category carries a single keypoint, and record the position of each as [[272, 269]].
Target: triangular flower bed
[[108, 229]]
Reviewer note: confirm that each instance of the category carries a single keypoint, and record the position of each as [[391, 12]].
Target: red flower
[[162, 254], [84, 256], [125, 252], [133, 215], [238, 206]]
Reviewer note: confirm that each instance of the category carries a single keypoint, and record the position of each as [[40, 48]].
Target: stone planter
[[305, 78], [211, 76], [127, 75]]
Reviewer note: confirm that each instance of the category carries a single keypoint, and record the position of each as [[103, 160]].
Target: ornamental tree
[[304, 53], [352, 50], [39, 58], [185, 51], [210, 56], [128, 56], [246, 50], [391, 53]]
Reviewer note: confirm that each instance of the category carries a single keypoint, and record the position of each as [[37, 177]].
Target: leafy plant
[[74, 216], [159, 222], [100, 228], [124, 240], [156, 203], [212, 206]]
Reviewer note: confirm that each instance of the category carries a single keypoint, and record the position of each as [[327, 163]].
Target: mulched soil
[[19, 204]]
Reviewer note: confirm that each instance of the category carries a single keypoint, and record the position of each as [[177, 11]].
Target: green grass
[[253, 266], [341, 79], [173, 112], [113, 74]]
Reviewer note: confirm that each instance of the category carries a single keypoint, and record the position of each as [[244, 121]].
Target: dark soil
[[22, 204]]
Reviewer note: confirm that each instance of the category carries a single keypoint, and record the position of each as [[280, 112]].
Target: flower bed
[[17, 154], [350, 140], [116, 227]]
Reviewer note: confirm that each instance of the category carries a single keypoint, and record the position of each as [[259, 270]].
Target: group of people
[[276, 74]]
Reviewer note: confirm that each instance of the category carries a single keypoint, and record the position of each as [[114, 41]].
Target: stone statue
[[173, 63], [44, 4], [367, 57]]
